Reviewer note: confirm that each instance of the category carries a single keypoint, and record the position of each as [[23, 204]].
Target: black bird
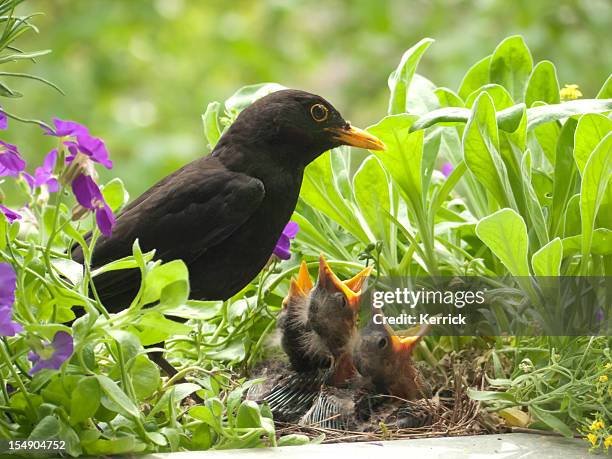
[[223, 214]]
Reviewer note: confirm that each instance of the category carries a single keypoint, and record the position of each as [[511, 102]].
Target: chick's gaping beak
[[355, 137], [328, 279]]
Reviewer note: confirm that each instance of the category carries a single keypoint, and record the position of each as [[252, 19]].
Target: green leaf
[[489, 395], [606, 90], [595, 181], [117, 396], [481, 151], [246, 95], [145, 377], [210, 119], [552, 421], [320, 191], [118, 445], [505, 233], [152, 327], [400, 79], [511, 66], [371, 188], [447, 98], [534, 209], [115, 194], [293, 440], [547, 260], [248, 415], [547, 113], [161, 276], [476, 77], [572, 222], [500, 96], [129, 343], [403, 156], [601, 243], [565, 176], [85, 400], [47, 429], [543, 85], [591, 129]]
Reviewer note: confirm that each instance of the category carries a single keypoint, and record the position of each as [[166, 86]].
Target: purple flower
[[95, 149], [10, 214], [53, 354], [599, 315], [90, 197], [44, 174], [284, 242], [447, 169], [3, 120], [8, 284], [65, 128], [11, 163]]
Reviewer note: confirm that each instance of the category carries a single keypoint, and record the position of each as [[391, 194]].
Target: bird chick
[[385, 359], [332, 315], [317, 322]]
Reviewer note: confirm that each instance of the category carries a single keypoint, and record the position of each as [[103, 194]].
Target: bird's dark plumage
[[223, 214]]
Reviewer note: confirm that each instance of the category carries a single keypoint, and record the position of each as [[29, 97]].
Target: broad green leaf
[[565, 176], [85, 400], [511, 65], [543, 85], [152, 327], [162, 276], [591, 129], [481, 151], [505, 233], [476, 77], [489, 395], [606, 90], [421, 96], [447, 98], [601, 243], [129, 344], [115, 194], [403, 156], [145, 377], [47, 429], [320, 191], [595, 181], [400, 79], [246, 95], [508, 119], [210, 120], [117, 396], [547, 260], [572, 221], [371, 188], [248, 415], [547, 135], [118, 445], [293, 440], [500, 96]]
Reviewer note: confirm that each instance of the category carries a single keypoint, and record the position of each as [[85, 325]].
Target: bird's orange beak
[[351, 288], [406, 344], [301, 286], [356, 137]]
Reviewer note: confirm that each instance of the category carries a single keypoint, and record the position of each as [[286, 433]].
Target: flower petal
[[447, 169], [95, 149], [8, 284], [86, 191], [65, 128], [3, 121], [105, 220], [291, 229]]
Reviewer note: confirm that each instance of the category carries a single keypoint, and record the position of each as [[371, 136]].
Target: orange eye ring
[[319, 112]]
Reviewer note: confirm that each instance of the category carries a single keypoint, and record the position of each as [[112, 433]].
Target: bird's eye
[[382, 343], [319, 112]]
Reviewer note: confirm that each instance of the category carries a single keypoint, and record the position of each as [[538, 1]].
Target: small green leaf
[[591, 129], [293, 440], [547, 260], [145, 377], [476, 77], [606, 90], [400, 79], [371, 188], [161, 276], [85, 400], [543, 85], [595, 182], [210, 119], [447, 98], [511, 66], [489, 395], [248, 415], [115, 194], [500, 96], [551, 421], [47, 429], [565, 176], [118, 397], [505, 233]]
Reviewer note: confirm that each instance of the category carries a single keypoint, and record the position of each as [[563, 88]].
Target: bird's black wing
[[195, 208]]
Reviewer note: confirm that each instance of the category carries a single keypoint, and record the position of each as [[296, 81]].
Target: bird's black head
[[295, 127]]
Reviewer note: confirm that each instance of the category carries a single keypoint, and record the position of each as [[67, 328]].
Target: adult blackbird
[[223, 214]]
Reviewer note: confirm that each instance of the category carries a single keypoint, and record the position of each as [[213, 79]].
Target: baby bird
[[384, 359], [318, 322]]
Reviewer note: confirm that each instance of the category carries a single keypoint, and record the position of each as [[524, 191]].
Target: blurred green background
[[139, 73]]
